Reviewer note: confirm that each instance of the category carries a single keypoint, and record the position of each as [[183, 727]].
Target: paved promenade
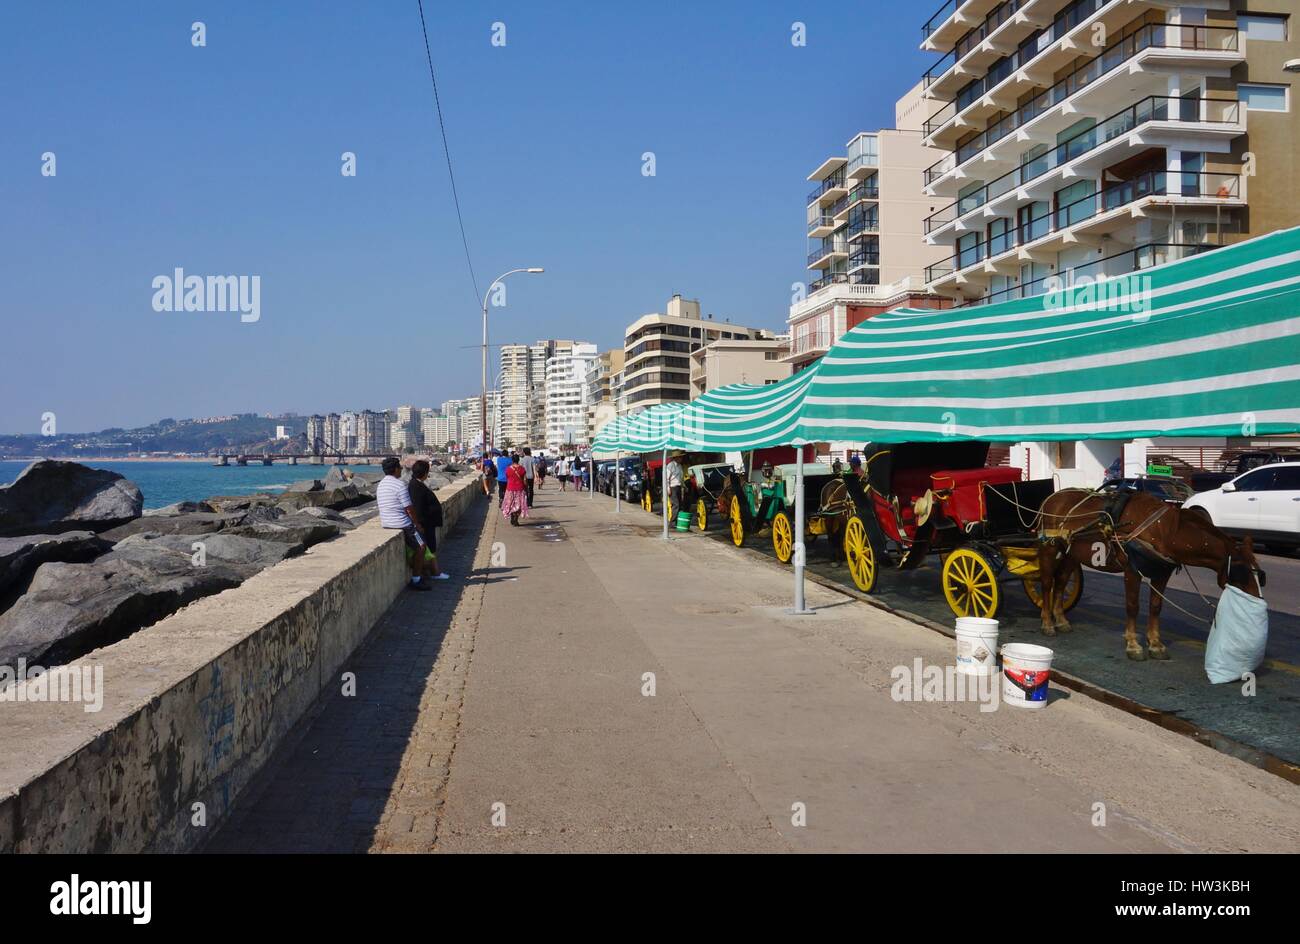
[[505, 712]]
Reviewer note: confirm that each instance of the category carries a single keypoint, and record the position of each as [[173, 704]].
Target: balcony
[[1218, 116], [821, 224], [828, 191], [862, 192], [862, 226], [864, 156], [813, 342], [952, 20], [1121, 263], [980, 94], [822, 257], [1169, 44], [866, 257], [1085, 214], [977, 43]]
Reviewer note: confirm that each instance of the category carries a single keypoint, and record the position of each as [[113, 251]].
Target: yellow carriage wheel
[[970, 584], [782, 537], [859, 554], [702, 514], [737, 523], [1073, 588]]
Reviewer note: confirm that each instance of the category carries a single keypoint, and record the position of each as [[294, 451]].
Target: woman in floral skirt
[[515, 505]]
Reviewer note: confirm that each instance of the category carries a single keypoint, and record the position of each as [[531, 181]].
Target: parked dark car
[[630, 469], [1166, 487]]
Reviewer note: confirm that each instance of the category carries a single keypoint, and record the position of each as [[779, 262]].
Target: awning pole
[[800, 608], [618, 488], [591, 476], [663, 489]]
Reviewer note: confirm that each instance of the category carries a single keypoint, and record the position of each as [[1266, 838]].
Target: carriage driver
[[767, 490]]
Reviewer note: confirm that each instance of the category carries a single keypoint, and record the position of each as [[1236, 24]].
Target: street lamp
[[482, 409]]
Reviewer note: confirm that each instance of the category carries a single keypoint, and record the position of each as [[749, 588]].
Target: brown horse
[[1143, 534]]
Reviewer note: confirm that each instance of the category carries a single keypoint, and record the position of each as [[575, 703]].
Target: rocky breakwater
[[83, 566]]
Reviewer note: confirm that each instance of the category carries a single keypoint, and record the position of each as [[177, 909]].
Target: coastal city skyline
[[532, 174], [617, 428]]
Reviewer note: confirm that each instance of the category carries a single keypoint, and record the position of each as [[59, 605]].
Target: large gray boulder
[[51, 496], [199, 522], [179, 508], [306, 485], [291, 529], [69, 609], [247, 555], [20, 556], [338, 498], [329, 514]]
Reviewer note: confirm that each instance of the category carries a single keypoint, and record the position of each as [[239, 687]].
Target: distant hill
[[242, 433]]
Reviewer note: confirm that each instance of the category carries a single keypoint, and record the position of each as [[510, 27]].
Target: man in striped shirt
[[395, 511]]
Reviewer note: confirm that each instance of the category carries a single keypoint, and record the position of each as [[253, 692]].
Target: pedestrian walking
[[489, 475], [428, 516], [562, 472], [515, 504], [503, 463], [395, 511], [530, 472], [540, 468]]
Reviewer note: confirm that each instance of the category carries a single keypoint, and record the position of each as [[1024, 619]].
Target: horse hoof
[[1137, 655], [1049, 631], [1162, 653], [1064, 627]]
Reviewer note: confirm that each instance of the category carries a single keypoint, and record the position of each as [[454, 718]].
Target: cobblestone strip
[[412, 816]]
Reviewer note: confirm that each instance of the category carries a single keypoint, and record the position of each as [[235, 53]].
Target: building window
[[770, 356], [1262, 26], [1262, 97]]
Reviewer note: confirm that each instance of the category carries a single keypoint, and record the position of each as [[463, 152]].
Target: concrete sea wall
[[196, 704]]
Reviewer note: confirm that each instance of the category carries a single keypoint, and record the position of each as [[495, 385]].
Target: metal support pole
[[618, 488], [591, 476], [663, 489], [800, 608]]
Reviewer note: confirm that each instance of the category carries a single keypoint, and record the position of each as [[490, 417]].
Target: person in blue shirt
[[503, 463]]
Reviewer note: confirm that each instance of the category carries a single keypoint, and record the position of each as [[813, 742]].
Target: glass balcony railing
[[1065, 21], [997, 16], [827, 249], [862, 277], [1151, 108], [939, 18], [821, 220], [1147, 36], [863, 225], [1121, 263], [1220, 186], [860, 259], [830, 183]]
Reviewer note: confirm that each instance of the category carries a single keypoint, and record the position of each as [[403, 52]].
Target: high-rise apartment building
[[1098, 137], [865, 224], [657, 353], [316, 434], [601, 392], [566, 396]]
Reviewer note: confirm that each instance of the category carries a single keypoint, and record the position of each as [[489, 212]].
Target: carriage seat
[[964, 505]]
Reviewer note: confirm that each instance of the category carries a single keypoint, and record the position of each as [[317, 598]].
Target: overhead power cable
[[478, 299]]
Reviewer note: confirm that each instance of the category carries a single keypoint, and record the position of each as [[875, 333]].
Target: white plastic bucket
[[977, 645], [1025, 671]]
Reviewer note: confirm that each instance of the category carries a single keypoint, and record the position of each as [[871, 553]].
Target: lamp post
[[483, 414]]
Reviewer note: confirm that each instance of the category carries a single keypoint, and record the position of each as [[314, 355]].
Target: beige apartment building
[[601, 390], [1099, 137], [657, 353], [739, 360], [865, 219]]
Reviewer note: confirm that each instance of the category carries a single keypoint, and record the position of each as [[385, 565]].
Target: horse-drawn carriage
[[923, 498], [769, 503]]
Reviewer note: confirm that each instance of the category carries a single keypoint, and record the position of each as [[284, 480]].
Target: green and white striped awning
[[733, 418], [1204, 346]]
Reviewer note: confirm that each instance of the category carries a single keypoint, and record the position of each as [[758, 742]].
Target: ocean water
[[165, 482]]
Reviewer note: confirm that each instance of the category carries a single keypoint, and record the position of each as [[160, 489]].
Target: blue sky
[[225, 160]]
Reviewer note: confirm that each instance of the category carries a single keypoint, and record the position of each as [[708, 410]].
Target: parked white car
[[1263, 503]]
